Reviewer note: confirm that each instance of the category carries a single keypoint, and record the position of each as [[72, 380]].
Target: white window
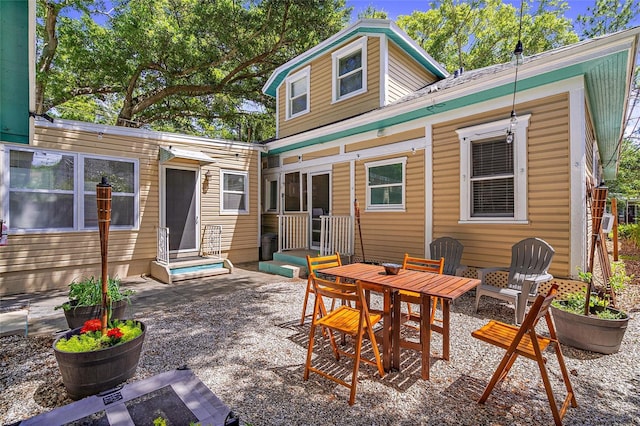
[[386, 184], [350, 70], [493, 172], [271, 194], [298, 93], [235, 191], [51, 190]]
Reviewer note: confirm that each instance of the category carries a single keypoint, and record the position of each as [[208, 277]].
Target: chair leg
[[312, 334], [502, 370], [306, 298], [477, 299], [356, 367]]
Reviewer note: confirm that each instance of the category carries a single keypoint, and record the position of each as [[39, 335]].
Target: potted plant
[[85, 300], [603, 327], [91, 361], [102, 353]]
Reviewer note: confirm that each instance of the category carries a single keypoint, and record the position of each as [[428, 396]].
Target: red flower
[[114, 333], [91, 325]]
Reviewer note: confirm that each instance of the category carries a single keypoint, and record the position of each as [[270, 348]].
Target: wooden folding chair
[[313, 264], [424, 265], [525, 341], [347, 320]]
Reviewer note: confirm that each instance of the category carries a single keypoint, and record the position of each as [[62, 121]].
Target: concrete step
[[285, 269], [202, 272]]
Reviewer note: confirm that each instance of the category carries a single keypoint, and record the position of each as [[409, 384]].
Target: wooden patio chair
[[451, 249], [424, 265], [313, 264], [530, 260], [355, 322], [525, 341]]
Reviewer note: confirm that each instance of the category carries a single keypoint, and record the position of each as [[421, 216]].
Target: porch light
[[205, 183], [517, 58]]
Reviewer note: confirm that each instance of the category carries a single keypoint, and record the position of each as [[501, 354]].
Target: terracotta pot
[[88, 373], [76, 316], [589, 332]]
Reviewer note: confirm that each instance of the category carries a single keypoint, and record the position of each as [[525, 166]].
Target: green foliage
[[181, 65], [627, 182], [159, 422], [88, 292], [598, 305], [477, 33], [608, 16], [92, 341]]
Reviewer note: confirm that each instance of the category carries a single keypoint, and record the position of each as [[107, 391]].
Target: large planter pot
[[87, 373], [76, 316], [589, 332]]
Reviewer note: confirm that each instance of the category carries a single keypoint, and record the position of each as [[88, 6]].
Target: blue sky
[[405, 7]]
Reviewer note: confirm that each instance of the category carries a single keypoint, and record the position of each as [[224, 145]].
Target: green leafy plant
[[88, 292], [92, 339], [598, 303]]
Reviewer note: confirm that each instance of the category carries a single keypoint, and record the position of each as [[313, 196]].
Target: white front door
[[181, 207]]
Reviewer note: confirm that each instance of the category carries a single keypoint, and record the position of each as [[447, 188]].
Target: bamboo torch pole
[[103, 198]]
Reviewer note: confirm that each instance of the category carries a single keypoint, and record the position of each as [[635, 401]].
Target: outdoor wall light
[[205, 183]]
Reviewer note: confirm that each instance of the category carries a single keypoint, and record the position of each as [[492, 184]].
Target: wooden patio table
[[447, 287]]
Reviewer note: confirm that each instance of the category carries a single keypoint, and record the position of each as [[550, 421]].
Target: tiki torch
[[103, 197]]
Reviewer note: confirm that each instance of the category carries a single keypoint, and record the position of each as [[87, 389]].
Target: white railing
[[211, 241], [293, 232], [162, 251], [336, 235]]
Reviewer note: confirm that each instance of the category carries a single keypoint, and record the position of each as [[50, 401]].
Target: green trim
[[464, 101], [14, 71], [272, 89]]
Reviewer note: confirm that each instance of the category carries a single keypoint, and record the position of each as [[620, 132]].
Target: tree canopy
[[182, 65], [198, 66]]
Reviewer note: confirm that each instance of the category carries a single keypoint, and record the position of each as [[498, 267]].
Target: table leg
[[425, 335], [446, 309], [386, 330], [395, 328]]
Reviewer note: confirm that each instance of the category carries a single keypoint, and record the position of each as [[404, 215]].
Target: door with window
[[181, 206], [319, 194]]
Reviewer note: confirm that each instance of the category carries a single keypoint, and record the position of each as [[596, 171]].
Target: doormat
[[178, 397]]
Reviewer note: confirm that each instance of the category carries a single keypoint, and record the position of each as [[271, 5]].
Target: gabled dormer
[[363, 67]]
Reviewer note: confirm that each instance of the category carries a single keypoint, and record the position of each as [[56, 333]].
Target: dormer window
[[298, 93], [350, 70]]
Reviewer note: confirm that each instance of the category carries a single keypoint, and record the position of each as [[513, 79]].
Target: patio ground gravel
[[240, 334]]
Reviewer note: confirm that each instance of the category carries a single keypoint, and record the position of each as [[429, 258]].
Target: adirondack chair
[[451, 250], [530, 260]]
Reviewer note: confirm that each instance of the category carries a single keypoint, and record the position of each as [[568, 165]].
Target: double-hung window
[[235, 191], [56, 191], [386, 184], [493, 172], [350, 70], [298, 93]]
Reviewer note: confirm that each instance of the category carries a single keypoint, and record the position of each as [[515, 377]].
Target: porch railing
[[336, 235], [293, 232], [162, 251], [211, 241]]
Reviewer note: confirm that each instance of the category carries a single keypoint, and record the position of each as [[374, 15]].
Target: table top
[[440, 285]]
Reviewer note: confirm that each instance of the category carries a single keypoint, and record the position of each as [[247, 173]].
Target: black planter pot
[[76, 316], [88, 373]]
